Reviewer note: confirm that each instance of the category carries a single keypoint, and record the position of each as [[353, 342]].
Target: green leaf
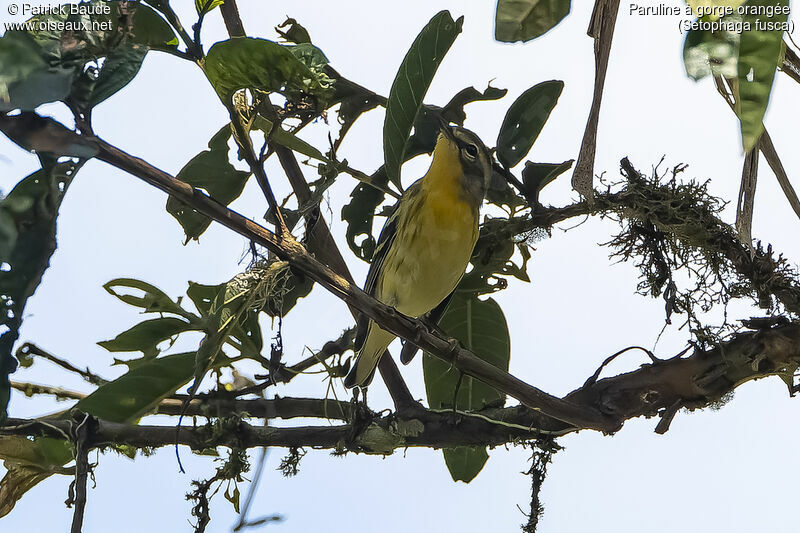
[[481, 327], [294, 32], [231, 307], [28, 463], [410, 85], [465, 462], [523, 20], [145, 336], [233, 497], [202, 296], [759, 56], [28, 240], [211, 171], [313, 58], [154, 300], [43, 65], [706, 52], [360, 213], [453, 111], [120, 67], [27, 80], [245, 62], [149, 28], [536, 176], [524, 121], [204, 6], [137, 392], [491, 259]]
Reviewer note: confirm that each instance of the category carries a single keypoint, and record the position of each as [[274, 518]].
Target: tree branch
[[764, 272], [77, 490], [761, 270], [29, 349], [657, 388]]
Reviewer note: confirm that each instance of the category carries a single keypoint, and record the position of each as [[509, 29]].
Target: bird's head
[[472, 155]]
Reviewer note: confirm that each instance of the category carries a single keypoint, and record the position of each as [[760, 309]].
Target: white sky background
[[729, 470]]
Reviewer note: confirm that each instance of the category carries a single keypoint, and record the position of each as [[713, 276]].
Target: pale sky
[[728, 470]]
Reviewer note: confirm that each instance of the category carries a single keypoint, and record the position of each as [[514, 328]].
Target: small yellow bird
[[426, 243]]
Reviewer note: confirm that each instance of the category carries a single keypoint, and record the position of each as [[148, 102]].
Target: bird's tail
[[367, 359]]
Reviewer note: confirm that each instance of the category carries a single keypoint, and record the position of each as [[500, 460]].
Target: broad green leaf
[[120, 67], [202, 296], [150, 29], [152, 300], [759, 56], [137, 392], [524, 121], [245, 62], [501, 194], [211, 171], [465, 462], [481, 327], [43, 65], [313, 58], [145, 336], [536, 176], [28, 463], [28, 228], [410, 85], [523, 20], [27, 80]]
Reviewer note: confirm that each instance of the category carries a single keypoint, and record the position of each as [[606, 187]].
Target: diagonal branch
[[29, 349], [289, 249]]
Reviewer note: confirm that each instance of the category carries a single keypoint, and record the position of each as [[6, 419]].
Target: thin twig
[[31, 389], [29, 349], [81, 472], [193, 48]]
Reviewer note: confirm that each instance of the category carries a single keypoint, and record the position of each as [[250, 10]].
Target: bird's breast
[[439, 241]]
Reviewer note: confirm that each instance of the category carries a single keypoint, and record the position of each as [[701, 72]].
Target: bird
[[425, 245]]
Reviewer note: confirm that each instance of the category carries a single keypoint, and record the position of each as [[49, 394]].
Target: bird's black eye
[[471, 150]]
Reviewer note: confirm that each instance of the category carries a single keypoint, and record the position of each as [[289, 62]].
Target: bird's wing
[[409, 348], [385, 241]]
